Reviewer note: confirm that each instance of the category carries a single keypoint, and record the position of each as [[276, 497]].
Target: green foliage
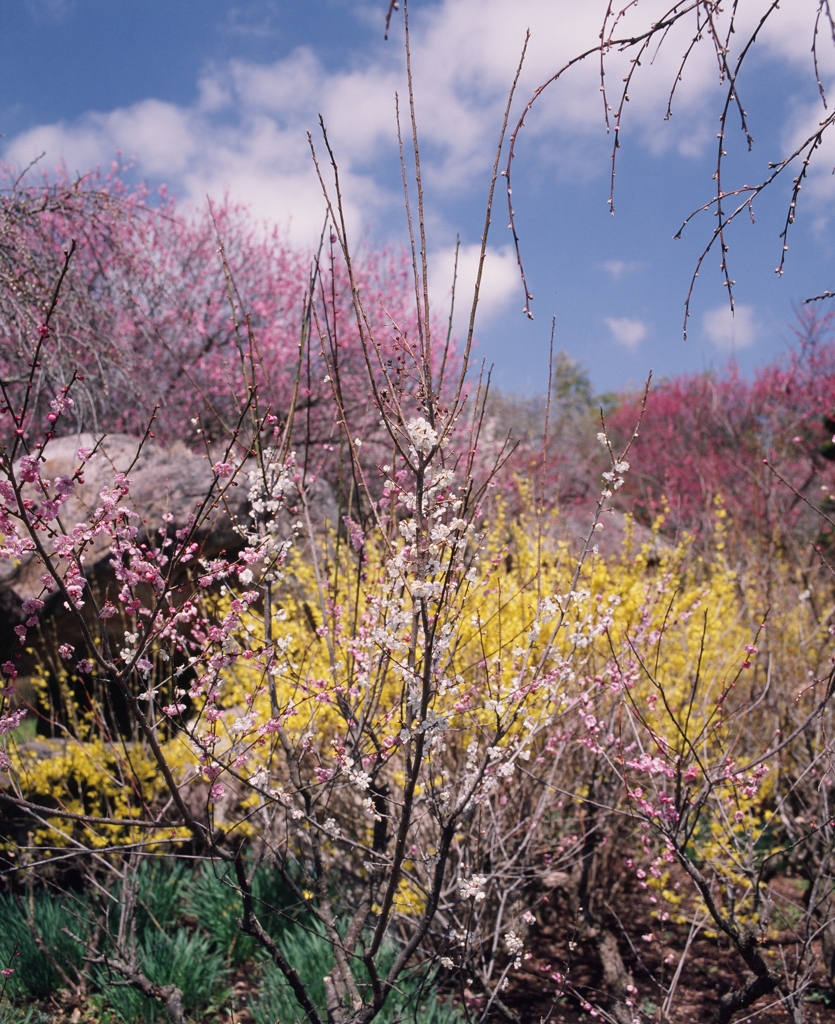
[[211, 900], [35, 972], [187, 934], [571, 386], [10, 1014], [186, 960], [309, 952], [162, 886]]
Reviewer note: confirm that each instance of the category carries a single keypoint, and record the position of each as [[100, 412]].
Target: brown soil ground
[[710, 969]]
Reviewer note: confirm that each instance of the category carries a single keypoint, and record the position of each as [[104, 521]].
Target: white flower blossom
[[473, 888], [368, 805], [358, 778], [243, 724], [421, 434]]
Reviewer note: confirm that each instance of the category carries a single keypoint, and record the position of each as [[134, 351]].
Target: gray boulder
[[171, 482]]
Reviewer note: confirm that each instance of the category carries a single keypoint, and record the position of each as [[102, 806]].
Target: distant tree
[[571, 387], [705, 438], [157, 306]]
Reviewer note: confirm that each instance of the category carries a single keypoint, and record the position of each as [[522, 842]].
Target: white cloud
[[789, 35], [246, 133], [626, 331], [819, 187], [500, 283], [619, 268], [464, 55], [727, 332], [50, 9], [615, 267], [258, 159]]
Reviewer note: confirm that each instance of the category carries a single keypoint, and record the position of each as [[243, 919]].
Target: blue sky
[[212, 95]]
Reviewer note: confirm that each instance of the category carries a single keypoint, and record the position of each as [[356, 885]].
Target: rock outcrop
[[166, 483]]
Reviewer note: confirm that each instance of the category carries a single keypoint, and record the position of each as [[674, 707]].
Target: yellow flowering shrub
[[646, 673]]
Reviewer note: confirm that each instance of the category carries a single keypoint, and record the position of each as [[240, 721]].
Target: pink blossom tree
[[711, 438], [157, 307]]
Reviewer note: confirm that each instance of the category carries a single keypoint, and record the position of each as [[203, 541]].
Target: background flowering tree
[[712, 438], [144, 320]]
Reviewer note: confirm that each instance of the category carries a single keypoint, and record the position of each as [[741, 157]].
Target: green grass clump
[[186, 932]]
